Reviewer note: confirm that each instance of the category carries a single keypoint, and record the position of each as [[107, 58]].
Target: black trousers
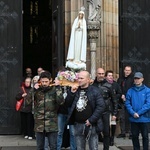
[[106, 130], [27, 124]]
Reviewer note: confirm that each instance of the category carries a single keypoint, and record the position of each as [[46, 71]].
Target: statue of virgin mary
[[76, 57]]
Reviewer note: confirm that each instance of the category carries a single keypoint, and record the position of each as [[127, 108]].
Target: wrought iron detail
[[134, 16], [134, 58], [6, 114], [3, 112], [4, 61], [5, 14]]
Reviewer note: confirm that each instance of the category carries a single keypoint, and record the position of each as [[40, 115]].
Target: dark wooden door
[[43, 34], [58, 52], [134, 23], [10, 64], [37, 34]]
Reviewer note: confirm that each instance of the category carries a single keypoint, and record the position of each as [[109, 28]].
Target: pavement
[[17, 142]]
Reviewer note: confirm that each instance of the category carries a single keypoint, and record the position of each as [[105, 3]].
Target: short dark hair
[[128, 66], [45, 74], [108, 71]]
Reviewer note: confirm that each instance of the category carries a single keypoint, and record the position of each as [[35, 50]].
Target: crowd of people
[[90, 109]]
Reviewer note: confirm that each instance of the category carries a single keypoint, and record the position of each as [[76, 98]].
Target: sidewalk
[[7, 142]]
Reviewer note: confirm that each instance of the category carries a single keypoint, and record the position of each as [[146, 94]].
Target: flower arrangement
[[68, 75]]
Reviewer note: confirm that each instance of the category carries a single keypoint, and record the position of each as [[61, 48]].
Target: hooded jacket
[[138, 101], [46, 102]]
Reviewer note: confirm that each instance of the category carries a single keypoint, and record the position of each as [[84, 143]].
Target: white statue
[[76, 57]]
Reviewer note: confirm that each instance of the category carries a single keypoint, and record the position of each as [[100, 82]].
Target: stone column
[[94, 19], [93, 28]]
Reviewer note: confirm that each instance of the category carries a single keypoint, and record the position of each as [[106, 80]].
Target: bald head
[[100, 74], [84, 79], [100, 70], [85, 73]]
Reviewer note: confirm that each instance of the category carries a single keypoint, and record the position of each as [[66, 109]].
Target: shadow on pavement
[[19, 148], [127, 148]]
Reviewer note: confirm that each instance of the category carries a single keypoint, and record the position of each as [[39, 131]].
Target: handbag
[[19, 103]]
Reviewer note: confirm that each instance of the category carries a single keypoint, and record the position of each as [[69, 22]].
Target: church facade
[[36, 34]]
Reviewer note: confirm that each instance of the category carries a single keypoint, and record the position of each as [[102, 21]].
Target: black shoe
[[130, 136], [111, 143], [121, 136], [100, 138]]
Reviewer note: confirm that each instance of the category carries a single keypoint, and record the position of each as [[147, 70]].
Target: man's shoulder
[[107, 84], [92, 87], [142, 88], [146, 88]]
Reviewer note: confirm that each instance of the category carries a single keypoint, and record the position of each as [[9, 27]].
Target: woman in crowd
[[27, 121]]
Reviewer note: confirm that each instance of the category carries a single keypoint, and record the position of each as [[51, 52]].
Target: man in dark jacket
[[87, 105], [110, 99], [117, 88], [125, 83]]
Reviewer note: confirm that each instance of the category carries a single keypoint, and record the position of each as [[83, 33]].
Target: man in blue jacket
[[138, 105]]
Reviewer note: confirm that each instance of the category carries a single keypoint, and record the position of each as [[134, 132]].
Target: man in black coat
[[110, 100], [87, 105], [125, 82], [116, 87]]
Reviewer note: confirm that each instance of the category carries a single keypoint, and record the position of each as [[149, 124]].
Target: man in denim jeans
[[138, 105], [62, 120], [87, 105]]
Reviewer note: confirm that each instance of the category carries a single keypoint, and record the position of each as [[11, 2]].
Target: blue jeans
[[61, 125], [46, 145], [81, 138], [136, 128], [52, 140]]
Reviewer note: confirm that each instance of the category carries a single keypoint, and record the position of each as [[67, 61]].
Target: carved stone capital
[[93, 25], [93, 28]]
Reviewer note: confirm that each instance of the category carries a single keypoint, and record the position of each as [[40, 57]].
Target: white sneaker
[[30, 138], [26, 137]]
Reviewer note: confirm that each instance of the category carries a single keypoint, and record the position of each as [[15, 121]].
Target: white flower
[[69, 75]]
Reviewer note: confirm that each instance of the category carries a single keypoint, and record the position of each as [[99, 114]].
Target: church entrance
[[43, 35], [37, 35]]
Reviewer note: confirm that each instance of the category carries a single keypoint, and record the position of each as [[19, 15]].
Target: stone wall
[[107, 54], [108, 42]]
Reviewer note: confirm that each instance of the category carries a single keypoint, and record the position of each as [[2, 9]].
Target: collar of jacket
[[138, 88], [101, 82]]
